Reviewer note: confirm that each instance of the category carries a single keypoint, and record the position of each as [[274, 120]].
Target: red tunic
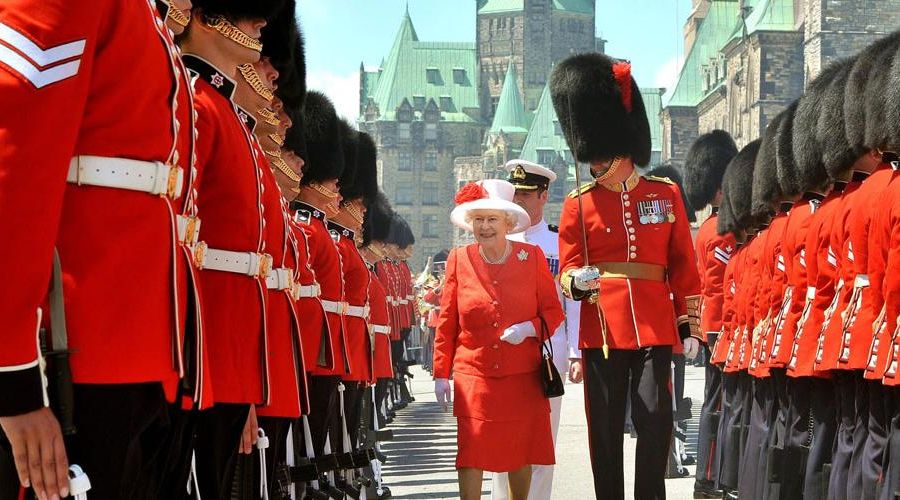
[[408, 299], [88, 81], [356, 293], [326, 261], [498, 395], [288, 396], [314, 331], [820, 285], [736, 339], [380, 328], [890, 239], [793, 253], [388, 278], [713, 254], [433, 298], [619, 230], [719, 355], [769, 304]]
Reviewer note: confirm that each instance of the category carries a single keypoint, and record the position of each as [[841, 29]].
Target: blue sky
[[341, 34]]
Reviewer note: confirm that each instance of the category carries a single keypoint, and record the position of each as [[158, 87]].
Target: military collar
[[813, 196], [715, 211], [343, 231], [859, 176], [246, 117], [209, 73], [540, 227], [627, 185], [163, 8], [305, 211]]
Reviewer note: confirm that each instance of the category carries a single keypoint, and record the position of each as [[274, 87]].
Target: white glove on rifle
[[691, 348], [516, 334], [442, 392], [586, 278]]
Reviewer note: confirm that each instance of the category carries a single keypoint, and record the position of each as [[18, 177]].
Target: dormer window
[[433, 76], [459, 76], [446, 103], [418, 102]]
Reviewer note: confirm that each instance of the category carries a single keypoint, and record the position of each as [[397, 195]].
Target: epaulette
[[552, 228], [664, 180], [587, 186]]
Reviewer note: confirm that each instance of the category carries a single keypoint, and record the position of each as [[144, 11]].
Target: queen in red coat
[[495, 294]]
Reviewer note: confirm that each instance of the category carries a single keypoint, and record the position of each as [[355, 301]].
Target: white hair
[[511, 218]]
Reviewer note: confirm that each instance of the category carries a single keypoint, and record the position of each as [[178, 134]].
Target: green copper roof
[[653, 104], [544, 133], [510, 115], [714, 32], [497, 6], [442, 71], [771, 15]]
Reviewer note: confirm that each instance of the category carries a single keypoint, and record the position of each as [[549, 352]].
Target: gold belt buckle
[[200, 254], [172, 181], [265, 265]]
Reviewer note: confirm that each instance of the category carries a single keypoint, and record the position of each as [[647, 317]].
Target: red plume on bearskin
[[470, 192], [622, 73]]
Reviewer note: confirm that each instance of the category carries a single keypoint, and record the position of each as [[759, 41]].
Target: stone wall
[[680, 129]]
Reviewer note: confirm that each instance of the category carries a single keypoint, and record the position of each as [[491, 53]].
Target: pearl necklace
[[502, 258]]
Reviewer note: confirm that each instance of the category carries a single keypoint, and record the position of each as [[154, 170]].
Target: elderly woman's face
[[489, 226]]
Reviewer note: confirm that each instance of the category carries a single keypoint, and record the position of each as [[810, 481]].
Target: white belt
[[382, 329], [861, 281], [810, 292], [188, 229], [403, 302], [280, 278], [307, 291], [410, 297], [248, 263], [357, 311], [151, 177], [334, 307]]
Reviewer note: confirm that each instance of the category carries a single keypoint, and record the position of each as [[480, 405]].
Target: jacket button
[[496, 366], [496, 346], [495, 325]]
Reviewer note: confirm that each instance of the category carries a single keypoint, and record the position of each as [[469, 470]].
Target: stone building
[[747, 60]]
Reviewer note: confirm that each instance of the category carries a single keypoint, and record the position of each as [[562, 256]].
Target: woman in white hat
[[497, 295]]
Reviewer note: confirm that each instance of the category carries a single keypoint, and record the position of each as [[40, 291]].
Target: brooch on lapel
[[522, 255]]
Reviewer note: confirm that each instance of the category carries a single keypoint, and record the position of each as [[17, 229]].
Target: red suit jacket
[[88, 81], [380, 329], [713, 254], [722, 349], [475, 309], [773, 271], [644, 222], [314, 330]]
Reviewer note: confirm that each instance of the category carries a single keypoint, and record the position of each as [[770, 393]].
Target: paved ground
[[423, 451]]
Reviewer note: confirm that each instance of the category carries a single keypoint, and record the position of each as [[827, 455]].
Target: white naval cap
[[527, 175]]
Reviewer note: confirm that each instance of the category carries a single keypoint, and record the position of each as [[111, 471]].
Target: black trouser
[[846, 402], [824, 426], [353, 393], [606, 387], [120, 443], [180, 446], [381, 387], [798, 438], [323, 400], [891, 477], [735, 410], [860, 436], [276, 430], [878, 422], [218, 434], [707, 465], [753, 477]]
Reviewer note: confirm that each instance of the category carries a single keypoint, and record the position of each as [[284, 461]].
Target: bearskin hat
[[235, 10], [367, 176], [788, 176], [350, 143], [669, 171], [766, 191], [600, 109], [705, 165], [321, 131], [807, 148], [294, 139], [283, 45], [407, 238], [837, 153], [377, 223], [855, 92], [878, 91], [737, 190], [893, 104]]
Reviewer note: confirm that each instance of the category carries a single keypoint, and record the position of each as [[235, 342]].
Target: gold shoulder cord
[[354, 213], [269, 117], [277, 139], [252, 78], [232, 33], [276, 161]]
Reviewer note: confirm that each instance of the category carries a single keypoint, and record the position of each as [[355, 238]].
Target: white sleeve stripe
[[40, 78], [722, 259], [41, 57], [18, 368]]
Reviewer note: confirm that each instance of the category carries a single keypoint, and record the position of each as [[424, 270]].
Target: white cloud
[[667, 76], [343, 90]]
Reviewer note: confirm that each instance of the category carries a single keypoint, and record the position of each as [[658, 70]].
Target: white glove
[[586, 278], [691, 348], [442, 392], [516, 334]]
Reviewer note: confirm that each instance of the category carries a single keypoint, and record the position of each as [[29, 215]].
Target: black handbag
[[554, 386]]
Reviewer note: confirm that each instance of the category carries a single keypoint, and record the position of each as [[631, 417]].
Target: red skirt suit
[[502, 414]]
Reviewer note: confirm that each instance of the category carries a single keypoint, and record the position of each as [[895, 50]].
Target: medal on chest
[[655, 212]]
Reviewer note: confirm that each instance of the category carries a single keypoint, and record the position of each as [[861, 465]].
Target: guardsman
[[124, 335], [704, 168], [532, 183], [318, 200], [639, 256]]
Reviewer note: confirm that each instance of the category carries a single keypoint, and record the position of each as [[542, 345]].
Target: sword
[[585, 244]]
